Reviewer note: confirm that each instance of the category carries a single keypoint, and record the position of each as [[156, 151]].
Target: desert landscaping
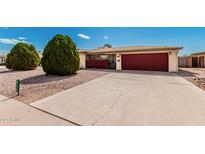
[[36, 85], [194, 75]]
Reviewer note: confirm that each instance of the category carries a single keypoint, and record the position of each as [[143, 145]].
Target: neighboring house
[[2, 59], [150, 58], [196, 59]]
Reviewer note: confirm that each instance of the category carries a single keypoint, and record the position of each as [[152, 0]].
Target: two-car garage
[[146, 58], [148, 62]]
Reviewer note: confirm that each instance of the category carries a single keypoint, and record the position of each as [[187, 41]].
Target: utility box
[[17, 86]]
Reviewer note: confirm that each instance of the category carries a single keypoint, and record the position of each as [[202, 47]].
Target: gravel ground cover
[[35, 85], [194, 75]]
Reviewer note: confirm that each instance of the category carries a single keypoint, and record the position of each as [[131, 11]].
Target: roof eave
[[133, 50]]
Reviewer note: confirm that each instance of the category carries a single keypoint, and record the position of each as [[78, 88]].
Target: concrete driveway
[[130, 98]]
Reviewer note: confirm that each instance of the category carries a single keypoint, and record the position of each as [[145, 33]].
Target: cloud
[[21, 38], [105, 37], [84, 36], [11, 41]]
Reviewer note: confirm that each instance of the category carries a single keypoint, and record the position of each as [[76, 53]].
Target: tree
[[60, 56], [108, 45], [22, 57]]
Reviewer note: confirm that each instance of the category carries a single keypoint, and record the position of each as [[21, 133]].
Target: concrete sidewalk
[[130, 98], [14, 113]]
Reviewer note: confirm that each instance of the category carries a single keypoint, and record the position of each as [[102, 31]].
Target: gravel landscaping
[[35, 85], [194, 75]]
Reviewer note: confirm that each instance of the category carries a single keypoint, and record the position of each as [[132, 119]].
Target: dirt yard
[[194, 75], [35, 85]]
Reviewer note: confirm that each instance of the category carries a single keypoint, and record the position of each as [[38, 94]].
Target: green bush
[[60, 56], [22, 57]]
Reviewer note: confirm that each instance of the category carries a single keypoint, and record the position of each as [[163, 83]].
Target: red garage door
[[150, 62], [97, 64]]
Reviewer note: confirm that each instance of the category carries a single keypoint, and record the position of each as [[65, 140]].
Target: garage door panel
[[150, 62]]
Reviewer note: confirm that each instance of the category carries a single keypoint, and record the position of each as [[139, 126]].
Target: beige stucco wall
[[173, 59], [82, 60], [118, 62]]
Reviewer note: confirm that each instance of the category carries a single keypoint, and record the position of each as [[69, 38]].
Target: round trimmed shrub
[[22, 57], [60, 56]]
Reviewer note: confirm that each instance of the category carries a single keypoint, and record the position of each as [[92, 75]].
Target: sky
[[191, 39]]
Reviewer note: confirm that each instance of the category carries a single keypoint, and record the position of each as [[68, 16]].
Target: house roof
[[198, 53], [130, 49]]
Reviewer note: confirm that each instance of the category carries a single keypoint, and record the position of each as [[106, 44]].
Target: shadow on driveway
[[141, 72], [185, 73]]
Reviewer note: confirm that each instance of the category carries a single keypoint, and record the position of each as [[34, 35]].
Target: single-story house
[[149, 58], [196, 59]]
